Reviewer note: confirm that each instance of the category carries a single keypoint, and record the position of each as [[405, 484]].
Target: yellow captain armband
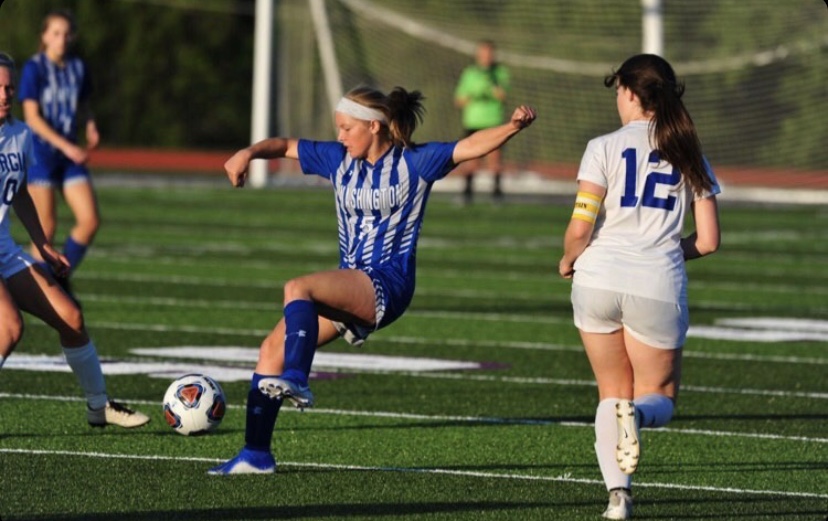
[[587, 206]]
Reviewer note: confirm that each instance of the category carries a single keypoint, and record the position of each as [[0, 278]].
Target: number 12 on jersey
[[652, 180]]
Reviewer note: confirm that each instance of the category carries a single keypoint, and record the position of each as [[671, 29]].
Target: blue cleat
[[247, 462], [279, 388]]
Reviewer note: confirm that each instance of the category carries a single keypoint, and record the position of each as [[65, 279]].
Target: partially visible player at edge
[[381, 182], [26, 286], [55, 90], [626, 256]]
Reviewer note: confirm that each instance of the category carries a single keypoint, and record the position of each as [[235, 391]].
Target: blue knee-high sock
[[301, 336], [74, 252], [656, 409], [261, 417]]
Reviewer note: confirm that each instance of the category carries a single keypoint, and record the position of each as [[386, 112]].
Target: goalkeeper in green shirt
[[481, 95]]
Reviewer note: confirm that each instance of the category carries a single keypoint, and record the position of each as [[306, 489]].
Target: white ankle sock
[[86, 366], [606, 440], [656, 410]]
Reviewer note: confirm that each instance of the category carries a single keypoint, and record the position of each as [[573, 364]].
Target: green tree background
[[163, 76], [177, 73]]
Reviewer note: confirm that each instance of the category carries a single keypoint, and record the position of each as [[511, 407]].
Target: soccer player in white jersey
[[625, 253], [55, 90], [381, 182], [26, 286]]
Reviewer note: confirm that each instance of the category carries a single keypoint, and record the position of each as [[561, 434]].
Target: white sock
[[86, 366], [606, 440], [656, 410]]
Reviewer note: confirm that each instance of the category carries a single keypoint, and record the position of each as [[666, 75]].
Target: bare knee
[[11, 331], [86, 228], [72, 330], [296, 289]]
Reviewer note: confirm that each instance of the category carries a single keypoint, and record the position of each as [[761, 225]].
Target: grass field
[[508, 435]]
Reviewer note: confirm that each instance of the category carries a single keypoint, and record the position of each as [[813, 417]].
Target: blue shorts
[[56, 171], [14, 261], [393, 291]]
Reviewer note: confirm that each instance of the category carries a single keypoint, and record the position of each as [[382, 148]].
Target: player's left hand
[[523, 116], [566, 269], [59, 263], [237, 166]]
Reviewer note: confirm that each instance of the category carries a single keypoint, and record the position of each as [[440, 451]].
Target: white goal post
[[754, 71]]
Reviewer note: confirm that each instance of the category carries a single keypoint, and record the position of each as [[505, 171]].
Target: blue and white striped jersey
[[380, 207], [59, 92], [15, 157]]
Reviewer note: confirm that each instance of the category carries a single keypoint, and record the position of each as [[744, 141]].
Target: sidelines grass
[[204, 267]]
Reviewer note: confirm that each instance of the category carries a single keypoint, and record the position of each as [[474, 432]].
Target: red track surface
[[212, 163]]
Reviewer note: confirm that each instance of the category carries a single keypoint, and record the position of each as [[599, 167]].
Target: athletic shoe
[[628, 449], [620, 504], [247, 462], [278, 388], [115, 414], [351, 333]]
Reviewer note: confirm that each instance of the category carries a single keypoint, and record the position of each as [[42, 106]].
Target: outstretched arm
[[25, 209], [273, 148], [484, 141]]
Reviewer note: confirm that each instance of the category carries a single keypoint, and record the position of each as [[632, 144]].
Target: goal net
[[755, 72]]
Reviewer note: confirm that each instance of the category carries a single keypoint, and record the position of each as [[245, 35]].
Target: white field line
[[455, 342], [276, 305], [436, 471], [468, 293], [591, 383], [545, 273], [431, 418]]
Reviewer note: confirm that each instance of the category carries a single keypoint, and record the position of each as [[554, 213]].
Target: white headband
[[359, 111]]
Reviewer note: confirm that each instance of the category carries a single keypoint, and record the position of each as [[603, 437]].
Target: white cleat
[[628, 449], [278, 388], [115, 414], [352, 333], [620, 504]]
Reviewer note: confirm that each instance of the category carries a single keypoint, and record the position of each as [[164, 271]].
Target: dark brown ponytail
[[652, 79]]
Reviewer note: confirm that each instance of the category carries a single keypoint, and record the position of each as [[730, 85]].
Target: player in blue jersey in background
[[625, 251], [27, 287], [381, 182], [55, 90]]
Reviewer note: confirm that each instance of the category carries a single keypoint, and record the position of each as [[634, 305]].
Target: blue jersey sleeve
[[30, 86], [321, 158], [432, 161]]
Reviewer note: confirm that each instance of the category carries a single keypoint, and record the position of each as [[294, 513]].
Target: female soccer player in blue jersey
[[625, 252], [381, 182], [55, 91], [24, 286]]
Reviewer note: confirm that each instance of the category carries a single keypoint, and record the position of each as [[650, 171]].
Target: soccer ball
[[194, 404]]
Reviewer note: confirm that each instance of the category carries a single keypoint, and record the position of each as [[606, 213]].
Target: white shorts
[[654, 322], [14, 261]]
